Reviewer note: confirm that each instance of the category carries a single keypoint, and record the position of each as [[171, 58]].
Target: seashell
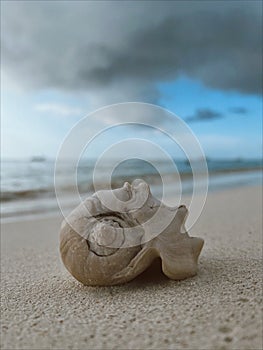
[[115, 235]]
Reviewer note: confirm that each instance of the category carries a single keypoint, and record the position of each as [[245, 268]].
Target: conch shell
[[115, 235]]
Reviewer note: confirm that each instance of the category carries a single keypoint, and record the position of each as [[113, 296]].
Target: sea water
[[27, 187]]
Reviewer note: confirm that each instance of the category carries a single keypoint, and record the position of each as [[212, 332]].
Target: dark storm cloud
[[204, 114], [238, 110], [121, 50]]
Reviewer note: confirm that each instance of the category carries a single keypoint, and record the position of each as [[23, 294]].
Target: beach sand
[[43, 307]]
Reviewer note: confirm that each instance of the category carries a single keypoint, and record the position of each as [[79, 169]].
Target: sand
[[43, 307]]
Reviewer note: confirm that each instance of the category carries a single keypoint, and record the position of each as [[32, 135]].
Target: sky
[[201, 60]]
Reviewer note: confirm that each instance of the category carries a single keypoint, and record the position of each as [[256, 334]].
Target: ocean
[[27, 187]]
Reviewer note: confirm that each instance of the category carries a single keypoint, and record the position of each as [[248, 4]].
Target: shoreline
[[21, 208], [220, 308]]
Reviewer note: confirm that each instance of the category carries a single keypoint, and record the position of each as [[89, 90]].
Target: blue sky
[[53, 73], [35, 123], [232, 135]]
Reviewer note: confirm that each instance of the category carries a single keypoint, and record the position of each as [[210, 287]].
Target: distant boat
[[38, 159]]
